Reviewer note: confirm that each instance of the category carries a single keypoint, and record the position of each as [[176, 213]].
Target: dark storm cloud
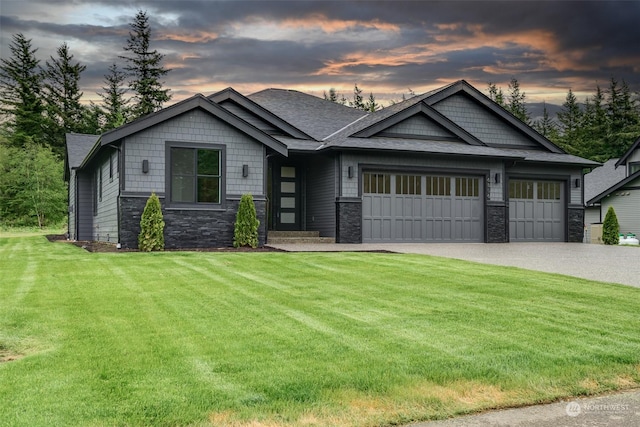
[[332, 43]]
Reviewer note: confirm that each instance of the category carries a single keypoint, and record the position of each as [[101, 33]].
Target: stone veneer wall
[[575, 225], [188, 228], [349, 220], [497, 223]]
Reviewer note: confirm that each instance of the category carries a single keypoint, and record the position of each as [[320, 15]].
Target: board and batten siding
[[106, 219], [539, 172], [482, 124], [195, 126], [321, 196], [412, 162]]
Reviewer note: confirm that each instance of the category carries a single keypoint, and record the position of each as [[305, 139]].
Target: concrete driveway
[[616, 264]]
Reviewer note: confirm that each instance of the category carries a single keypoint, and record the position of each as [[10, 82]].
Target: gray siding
[[350, 186], [106, 220], [194, 126], [85, 206], [72, 206], [572, 173], [321, 196], [481, 123], [626, 203], [419, 125]]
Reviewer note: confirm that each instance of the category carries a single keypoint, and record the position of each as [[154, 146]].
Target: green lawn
[[301, 339]]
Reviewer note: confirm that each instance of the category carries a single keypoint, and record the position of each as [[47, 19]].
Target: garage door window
[[467, 187], [548, 191], [520, 190], [376, 183], [409, 184], [438, 186]]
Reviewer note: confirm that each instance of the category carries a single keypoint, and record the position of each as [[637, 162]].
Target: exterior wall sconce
[[497, 178], [577, 182], [145, 166], [245, 171], [350, 171]]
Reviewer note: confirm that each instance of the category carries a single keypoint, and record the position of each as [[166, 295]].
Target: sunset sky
[[385, 47]]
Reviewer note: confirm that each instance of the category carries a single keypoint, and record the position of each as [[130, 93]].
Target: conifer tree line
[[41, 101]]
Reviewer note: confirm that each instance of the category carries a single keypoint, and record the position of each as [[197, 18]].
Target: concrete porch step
[[285, 237]]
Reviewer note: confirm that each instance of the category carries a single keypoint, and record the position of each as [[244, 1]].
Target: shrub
[[246, 227], [151, 237], [610, 228]]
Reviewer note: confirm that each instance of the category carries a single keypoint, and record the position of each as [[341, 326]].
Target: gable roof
[[230, 94], [78, 145], [601, 179], [194, 102], [462, 86], [314, 116], [626, 155], [613, 188]]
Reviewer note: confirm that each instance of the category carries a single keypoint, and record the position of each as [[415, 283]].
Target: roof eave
[[613, 188]]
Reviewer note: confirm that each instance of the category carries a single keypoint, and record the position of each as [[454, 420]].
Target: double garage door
[[536, 211], [422, 208]]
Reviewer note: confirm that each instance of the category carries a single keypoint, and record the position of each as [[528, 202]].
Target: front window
[[195, 175], [634, 167]]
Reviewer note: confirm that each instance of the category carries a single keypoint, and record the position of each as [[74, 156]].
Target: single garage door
[[536, 211], [421, 208]]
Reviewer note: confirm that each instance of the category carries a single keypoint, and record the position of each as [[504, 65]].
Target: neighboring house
[[446, 166], [617, 184]]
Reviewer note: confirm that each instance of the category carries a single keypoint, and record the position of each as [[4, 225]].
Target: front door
[[287, 197]]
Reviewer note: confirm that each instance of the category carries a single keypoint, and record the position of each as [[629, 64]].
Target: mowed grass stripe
[[297, 339]]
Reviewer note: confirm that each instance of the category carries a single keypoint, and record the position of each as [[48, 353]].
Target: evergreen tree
[[610, 228], [570, 119], [245, 232], [21, 105], [496, 94], [371, 105], [115, 105], [516, 102], [624, 122], [62, 96], [357, 98], [546, 126], [333, 96], [144, 68], [151, 237]]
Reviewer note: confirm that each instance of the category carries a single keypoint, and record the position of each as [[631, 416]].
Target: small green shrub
[[151, 237], [610, 228], [246, 227]]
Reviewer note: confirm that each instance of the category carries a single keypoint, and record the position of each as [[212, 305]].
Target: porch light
[[577, 182], [145, 166], [245, 171], [497, 178], [350, 171]]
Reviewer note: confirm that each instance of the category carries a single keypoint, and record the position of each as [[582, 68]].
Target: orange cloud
[[189, 37], [334, 26]]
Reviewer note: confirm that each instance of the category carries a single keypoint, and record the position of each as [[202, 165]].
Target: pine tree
[[62, 96], [610, 228], [496, 94], [21, 105], [570, 119], [144, 68], [371, 105], [332, 96], [624, 122], [116, 108], [245, 231], [546, 126], [357, 102], [516, 102], [151, 237]]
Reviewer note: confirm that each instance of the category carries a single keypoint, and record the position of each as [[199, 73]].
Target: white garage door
[[536, 211], [421, 208]]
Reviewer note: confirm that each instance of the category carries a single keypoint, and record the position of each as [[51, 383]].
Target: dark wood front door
[[287, 193]]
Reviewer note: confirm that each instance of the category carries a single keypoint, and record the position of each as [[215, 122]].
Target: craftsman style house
[[446, 166]]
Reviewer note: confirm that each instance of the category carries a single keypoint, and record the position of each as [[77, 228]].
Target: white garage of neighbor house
[[449, 165]]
